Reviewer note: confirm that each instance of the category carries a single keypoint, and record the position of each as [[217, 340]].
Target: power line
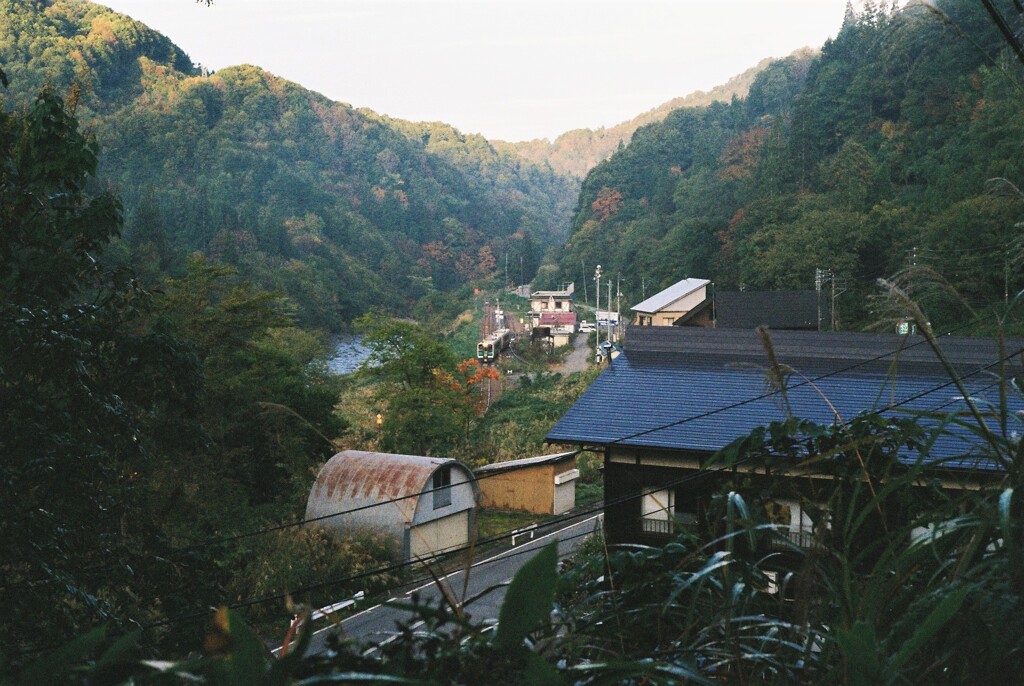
[[551, 522], [397, 566], [804, 382], [179, 552], [558, 520], [408, 563], [704, 473]]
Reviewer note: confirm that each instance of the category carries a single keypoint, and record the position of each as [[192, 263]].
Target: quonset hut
[[425, 505]]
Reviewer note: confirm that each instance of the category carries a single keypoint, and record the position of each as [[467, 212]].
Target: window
[[656, 512], [793, 522], [442, 487]]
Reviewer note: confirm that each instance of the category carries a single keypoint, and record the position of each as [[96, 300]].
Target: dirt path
[[579, 359]]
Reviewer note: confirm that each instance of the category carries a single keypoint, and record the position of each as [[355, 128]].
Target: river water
[[349, 353]]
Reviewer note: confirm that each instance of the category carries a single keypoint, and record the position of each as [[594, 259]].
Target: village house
[[676, 396], [666, 307], [553, 301], [558, 327], [422, 506]]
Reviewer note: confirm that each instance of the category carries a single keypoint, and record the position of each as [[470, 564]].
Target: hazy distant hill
[[578, 151], [342, 208]]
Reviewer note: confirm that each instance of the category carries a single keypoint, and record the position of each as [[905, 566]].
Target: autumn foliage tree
[[429, 400], [607, 204]]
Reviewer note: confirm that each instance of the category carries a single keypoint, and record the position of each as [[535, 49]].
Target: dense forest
[[338, 208], [171, 237], [896, 151]]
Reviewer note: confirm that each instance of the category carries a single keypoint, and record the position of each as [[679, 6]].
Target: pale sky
[[508, 69]]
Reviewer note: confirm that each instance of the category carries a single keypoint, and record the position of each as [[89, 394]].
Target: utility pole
[[618, 303], [583, 271], [818, 274], [608, 319], [838, 288], [833, 304], [827, 276], [597, 309]]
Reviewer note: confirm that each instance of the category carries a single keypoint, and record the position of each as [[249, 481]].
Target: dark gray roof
[[775, 309], [692, 389]]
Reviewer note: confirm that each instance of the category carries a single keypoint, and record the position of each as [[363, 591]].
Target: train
[[490, 348]]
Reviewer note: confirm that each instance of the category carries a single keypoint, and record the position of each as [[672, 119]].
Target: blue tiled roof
[[702, 402]]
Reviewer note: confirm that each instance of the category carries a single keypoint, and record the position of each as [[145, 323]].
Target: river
[[349, 353]]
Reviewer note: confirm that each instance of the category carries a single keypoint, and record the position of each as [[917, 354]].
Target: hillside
[[897, 150], [578, 151], [341, 208]]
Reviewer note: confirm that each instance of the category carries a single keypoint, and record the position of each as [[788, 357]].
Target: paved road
[[377, 624]]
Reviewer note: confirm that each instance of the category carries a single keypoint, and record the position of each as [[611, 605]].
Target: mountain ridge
[[577, 151], [341, 208]]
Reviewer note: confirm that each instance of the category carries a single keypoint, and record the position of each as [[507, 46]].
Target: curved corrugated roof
[[355, 478], [361, 475]]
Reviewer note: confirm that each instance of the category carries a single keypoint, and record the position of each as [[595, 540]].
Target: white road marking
[[506, 553]]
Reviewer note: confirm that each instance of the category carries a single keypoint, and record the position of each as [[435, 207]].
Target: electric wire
[[409, 563], [178, 553], [805, 382], [702, 474]]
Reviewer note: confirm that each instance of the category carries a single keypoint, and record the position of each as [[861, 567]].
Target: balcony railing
[[802, 539], [661, 527]]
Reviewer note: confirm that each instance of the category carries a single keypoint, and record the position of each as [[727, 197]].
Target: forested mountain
[[576, 152], [338, 207], [898, 149]]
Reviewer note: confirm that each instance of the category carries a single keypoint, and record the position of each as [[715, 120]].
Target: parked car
[[587, 327]]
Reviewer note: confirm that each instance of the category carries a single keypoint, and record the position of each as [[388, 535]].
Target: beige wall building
[[667, 306], [553, 301], [545, 484]]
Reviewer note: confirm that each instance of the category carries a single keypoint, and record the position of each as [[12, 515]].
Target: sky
[[508, 69]]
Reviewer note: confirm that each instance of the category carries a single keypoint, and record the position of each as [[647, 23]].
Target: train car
[[490, 348]]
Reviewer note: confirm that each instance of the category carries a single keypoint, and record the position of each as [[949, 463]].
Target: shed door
[[441, 534]]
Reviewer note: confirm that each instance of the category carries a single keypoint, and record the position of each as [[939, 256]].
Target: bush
[[310, 563]]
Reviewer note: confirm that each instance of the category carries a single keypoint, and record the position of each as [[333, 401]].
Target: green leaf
[[540, 672], [53, 668], [936, 620], [121, 651], [1005, 510], [243, 657], [860, 652], [529, 598]]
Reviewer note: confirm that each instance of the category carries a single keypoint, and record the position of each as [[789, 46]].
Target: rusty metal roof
[[355, 479], [361, 475]]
